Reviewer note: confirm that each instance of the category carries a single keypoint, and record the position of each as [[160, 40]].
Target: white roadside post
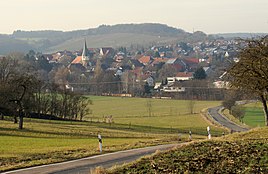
[[100, 142], [190, 135], [209, 135]]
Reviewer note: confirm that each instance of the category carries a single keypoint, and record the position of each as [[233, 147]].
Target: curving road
[[214, 113], [85, 165]]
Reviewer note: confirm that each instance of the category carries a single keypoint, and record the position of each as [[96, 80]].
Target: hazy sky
[[210, 16]]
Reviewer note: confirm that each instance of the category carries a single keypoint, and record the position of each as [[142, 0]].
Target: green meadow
[[254, 115], [46, 141], [164, 113], [43, 141]]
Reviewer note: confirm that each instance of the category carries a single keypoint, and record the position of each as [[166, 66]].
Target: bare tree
[[149, 107], [191, 106], [84, 107], [251, 72]]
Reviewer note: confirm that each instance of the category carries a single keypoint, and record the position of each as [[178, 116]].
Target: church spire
[[85, 52]]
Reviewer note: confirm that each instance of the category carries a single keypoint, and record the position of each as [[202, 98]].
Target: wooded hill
[[105, 35]]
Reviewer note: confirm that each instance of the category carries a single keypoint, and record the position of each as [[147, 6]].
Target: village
[[165, 70], [179, 70]]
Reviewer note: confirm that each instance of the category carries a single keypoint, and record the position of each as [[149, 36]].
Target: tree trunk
[[15, 119], [265, 109], [20, 120]]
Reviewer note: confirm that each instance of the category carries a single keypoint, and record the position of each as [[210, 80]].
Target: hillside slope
[[104, 35], [111, 40], [237, 153]]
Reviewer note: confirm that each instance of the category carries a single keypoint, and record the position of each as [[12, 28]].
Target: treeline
[[54, 100], [146, 28], [25, 90]]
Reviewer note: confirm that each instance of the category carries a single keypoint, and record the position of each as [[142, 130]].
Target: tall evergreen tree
[[200, 74]]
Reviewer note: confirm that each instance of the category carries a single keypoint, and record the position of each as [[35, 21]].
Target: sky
[[209, 16]]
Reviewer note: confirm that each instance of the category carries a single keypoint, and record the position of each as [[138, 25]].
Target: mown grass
[[237, 153], [164, 113]]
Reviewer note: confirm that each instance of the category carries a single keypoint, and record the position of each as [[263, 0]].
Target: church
[[82, 62]]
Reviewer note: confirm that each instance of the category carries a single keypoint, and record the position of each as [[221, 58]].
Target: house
[[180, 76], [133, 63], [107, 52], [118, 58], [150, 81], [208, 71], [172, 86], [145, 60], [157, 85], [221, 84], [191, 63], [137, 72], [158, 61], [173, 89], [55, 57], [49, 57], [119, 71], [178, 64]]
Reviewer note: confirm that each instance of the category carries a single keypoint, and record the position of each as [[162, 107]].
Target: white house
[[181, 76], [173, 89]]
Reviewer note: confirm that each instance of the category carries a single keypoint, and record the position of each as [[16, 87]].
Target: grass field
[[254, 115], [45, 141], [164, 113]]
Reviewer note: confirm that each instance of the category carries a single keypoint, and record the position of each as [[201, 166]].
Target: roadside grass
[[254, 134], [226, 113], [237, 153]]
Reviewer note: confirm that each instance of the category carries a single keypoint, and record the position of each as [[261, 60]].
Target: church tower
[[85, 56]]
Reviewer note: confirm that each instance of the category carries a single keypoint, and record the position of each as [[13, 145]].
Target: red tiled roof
[[192, 60], [178, 67], [158, 60], [145, 59], [184, 74], [78, 59]]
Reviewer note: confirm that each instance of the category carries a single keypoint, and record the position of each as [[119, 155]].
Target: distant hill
[[239, 35], [7, 44], [103, 36]]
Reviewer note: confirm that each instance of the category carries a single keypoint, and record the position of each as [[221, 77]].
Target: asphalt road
[[85, 165], [214, 113]]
